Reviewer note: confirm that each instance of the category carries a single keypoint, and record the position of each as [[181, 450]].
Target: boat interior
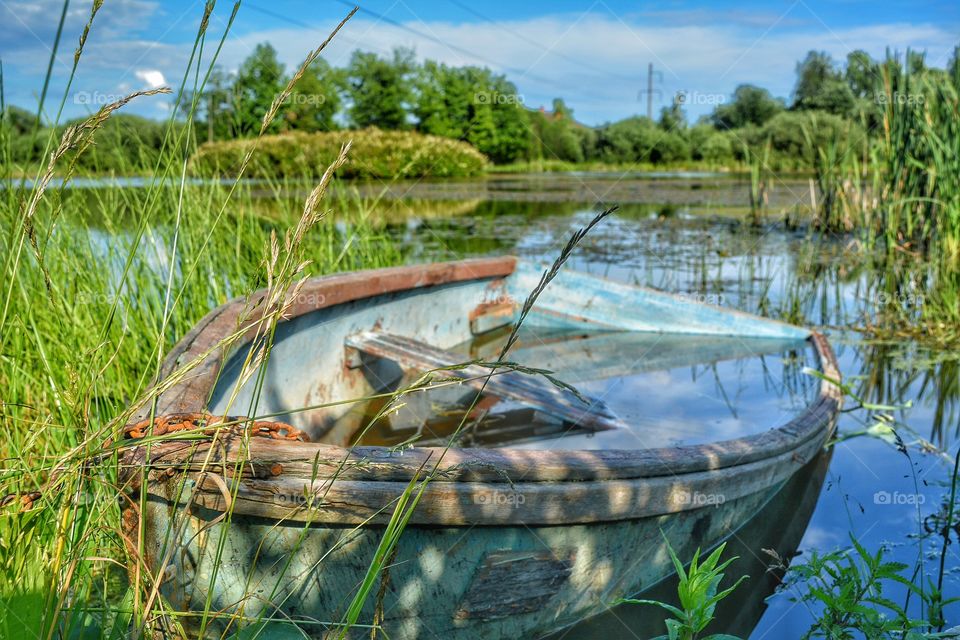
[[594, 365]]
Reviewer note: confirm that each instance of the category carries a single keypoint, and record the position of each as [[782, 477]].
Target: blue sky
[[594, 54]]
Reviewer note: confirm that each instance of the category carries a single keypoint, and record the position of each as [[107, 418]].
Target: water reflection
[[779, 526], [667, 390]]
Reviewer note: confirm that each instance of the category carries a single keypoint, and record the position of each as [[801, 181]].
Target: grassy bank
[[124, 274], [96, 287], [374, 154], [565, 166]]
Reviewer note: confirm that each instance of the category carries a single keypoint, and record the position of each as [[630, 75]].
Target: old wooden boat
[[549, 506]]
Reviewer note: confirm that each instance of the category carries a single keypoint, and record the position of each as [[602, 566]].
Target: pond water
[[675, 238], [666, 390], [687, 234]]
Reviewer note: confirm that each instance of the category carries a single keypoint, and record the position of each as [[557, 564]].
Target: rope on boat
[[207, 424], [197, 422]]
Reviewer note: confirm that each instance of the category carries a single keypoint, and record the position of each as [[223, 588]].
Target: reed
[[97, 285], [897, 190], [758, 163], [917, 160]]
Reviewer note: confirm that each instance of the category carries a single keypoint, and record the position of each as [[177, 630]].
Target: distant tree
[[512, 122], [706, 143], [628, 140], [214, 108], [639, 139], [589, 138], [380, 89], [796, 137], [750, 105], [718, 149], [472, 104], [553, 134], [861, 74], [258, 82], [315, 100], [444, 97], [916, 62], [821, 86], [953, 66], [18, 120]]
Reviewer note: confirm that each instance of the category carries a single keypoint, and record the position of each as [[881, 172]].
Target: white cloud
[[152, 77]]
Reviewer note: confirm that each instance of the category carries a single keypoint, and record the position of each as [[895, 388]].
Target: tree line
[[397, 93]]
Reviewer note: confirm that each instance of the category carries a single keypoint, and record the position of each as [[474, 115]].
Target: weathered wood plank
[[531, 390], [308, 460], [345, 502], [513, 582]]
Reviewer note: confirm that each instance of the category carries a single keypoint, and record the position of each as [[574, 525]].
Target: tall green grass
[[96, 286], [897, 190], [918, 161]]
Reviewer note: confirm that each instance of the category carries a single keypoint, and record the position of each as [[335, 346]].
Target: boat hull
[[449, 582]]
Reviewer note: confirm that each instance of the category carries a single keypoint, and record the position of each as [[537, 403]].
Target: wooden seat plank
[[531, 390]]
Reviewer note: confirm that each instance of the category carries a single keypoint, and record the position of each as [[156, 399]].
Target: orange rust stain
[[491, 308]]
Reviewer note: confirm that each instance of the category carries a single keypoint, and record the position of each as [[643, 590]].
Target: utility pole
[[650, 91]]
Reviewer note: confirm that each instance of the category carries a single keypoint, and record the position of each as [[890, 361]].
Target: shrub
[[717, 149], [629, 140], [796, 135], [669, 146], [124, 144], [375, 154]]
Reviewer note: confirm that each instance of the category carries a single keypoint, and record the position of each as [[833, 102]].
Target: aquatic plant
[[758, 164], [699, 594], [846, 592]]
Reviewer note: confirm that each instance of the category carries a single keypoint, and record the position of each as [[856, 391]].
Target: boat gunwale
[[501, 465]]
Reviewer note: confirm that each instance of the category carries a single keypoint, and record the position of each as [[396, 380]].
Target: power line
[[399, 25], [549, 50], [301, 23], [448, 45]]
